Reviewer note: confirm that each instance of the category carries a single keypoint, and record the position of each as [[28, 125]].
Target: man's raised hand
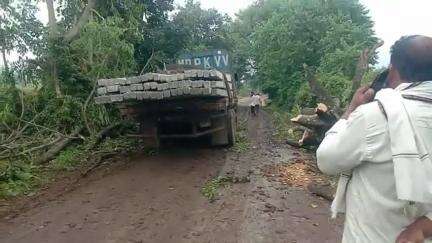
[[362, 96]]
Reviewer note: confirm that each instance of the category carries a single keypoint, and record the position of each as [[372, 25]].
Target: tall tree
[[147, 27], [61, 37], [202, 28], [20, 30], [327, 36]]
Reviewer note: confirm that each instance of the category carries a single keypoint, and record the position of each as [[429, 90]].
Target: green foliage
[[117, 41], [19, 27], [210, 188], [244, 91], [269, 42], [16, 178], [120, 144], [202, 29], [242, 143], [304, 97], [326, 35], [281, 121], [103, 51], [68, 159]]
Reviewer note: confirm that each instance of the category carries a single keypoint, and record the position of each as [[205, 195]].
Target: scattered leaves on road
[[298, 173]]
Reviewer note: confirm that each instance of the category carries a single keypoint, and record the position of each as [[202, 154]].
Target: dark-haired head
[[411, 59]]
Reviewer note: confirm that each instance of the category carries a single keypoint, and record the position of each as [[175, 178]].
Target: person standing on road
[[255, 102], [382, 151]]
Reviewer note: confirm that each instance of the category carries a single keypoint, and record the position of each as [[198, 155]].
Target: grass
[[69, 158], [282, 123], [242, 143], [23, 177], [210, 188], [17, 178]]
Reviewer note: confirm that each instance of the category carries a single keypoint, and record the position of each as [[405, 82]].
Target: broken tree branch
[[309, 121], [362, 66], [103, 134], [57, 148], [84, 108], [147, 63], [98, 161], [47, 128], [317, 89]]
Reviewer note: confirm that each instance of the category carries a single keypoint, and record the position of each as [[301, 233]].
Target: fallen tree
[[315, 122]]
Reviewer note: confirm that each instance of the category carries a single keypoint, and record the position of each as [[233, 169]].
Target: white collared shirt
[[255, 100], [374, 214]]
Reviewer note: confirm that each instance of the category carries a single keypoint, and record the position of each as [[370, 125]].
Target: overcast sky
[[393, 18]]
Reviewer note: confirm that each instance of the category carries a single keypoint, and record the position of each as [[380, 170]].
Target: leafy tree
[[102, 50], [202, 29], [242, 33], [147, 27], [326, 35], [20, 31]]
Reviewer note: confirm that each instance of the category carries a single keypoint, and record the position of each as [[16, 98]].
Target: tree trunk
[[362, 66], [58, 147], [52, 21], [8, 76], [53, 35], [5, 63]]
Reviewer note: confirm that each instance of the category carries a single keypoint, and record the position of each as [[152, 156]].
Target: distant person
[[382, 148], [255, 102]]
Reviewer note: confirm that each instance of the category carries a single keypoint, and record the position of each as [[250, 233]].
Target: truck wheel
[[232, 127], [220, 138], [149, 130]]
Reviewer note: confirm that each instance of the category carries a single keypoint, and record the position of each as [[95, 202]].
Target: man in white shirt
[[255, 102], [360, 146]]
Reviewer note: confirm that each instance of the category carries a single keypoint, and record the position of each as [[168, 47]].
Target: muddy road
[[158, 199]]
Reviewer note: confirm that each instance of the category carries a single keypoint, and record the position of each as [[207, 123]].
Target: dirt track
[[158, 199]]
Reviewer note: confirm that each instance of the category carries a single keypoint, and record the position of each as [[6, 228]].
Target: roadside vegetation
[[242, 143], [210, 188], [281, 122]]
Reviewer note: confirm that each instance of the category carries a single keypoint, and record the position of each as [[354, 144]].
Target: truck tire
[[149, 130], [232, 127], [220, 138], [226, 136]]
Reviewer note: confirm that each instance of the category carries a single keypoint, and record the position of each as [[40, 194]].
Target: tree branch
[[317, 89], [5, 63], [362, 66], [58, 147], [74, 31], [52, 21], [309, 121], [147, 63], [84, 108]]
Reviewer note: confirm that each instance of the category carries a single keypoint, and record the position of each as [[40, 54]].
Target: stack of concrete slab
[[158, 86]]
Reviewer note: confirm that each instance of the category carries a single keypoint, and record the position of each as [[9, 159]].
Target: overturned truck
[[176, 104]]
